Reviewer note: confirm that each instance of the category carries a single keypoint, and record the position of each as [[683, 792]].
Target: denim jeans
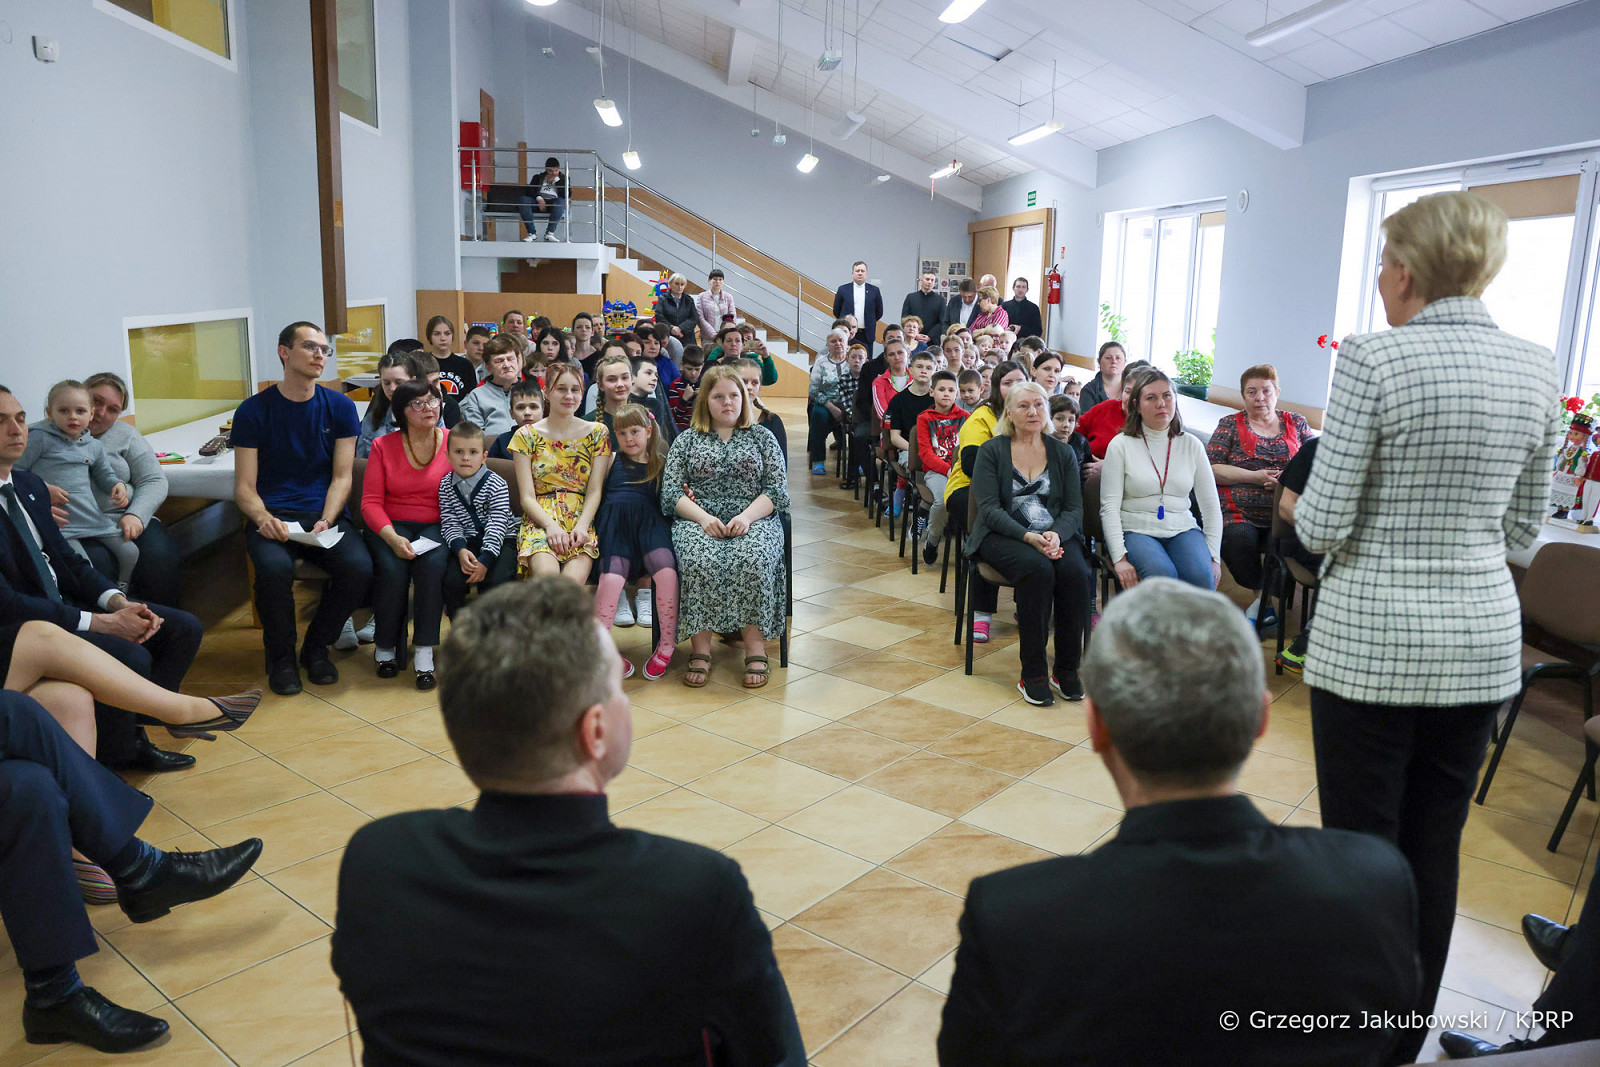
[[555, 210], [1185, 556]]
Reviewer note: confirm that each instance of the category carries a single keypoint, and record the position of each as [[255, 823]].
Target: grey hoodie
[[80, 467]]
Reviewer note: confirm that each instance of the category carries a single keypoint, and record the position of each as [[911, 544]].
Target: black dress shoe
[[319, 668], [184, 877], [426, 680], [283, 677], [1459, 1046], [152, 760], [90, 1019], [1548, 940], [388, 668]]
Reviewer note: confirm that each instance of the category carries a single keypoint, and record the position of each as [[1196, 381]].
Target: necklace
[[415, 462], [1161, 508]]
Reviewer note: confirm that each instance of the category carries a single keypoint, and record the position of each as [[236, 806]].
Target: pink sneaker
[[980, 632], [627, 667], [656, 666]]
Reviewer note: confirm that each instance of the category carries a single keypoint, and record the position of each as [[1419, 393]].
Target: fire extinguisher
[[1052, 280]]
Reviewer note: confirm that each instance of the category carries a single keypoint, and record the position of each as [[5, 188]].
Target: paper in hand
[[424, 545], [326, 539]]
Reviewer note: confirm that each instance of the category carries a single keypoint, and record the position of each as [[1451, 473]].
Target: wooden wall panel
[[991, 254], [548, 276], [560, 307], [446, 302], [620, 285]]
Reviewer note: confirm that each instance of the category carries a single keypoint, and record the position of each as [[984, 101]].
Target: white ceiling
[[998, 63]]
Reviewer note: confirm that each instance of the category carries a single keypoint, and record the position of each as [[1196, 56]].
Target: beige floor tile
[[1062, 721], [1285, 780], [832, 989], [727, 670], [934, 647], [283, 722], [827, 696], [1045, 818], [425, 729], [1492, 964], [759, 722], [889, 919], [886, 671], [938, 783], [341, 1053], [878, 556], [768, 786], [870, 633], [313, 884], [852, 598], [677, 701], [345, 757], [953, 857], [691, 817], [1501, 896], [229, 792], [822, 653], [903, 585], [1000, 748], [1519, 843], [1451, 1004], [901, 1033], [1081, 772], [633, 786], [647, 722], [937, 977], [807, 585], [295, 830], [430, 782], [161, 824], [1538, 801], [685, 753], [809, 617], [866, 824], [183, 1046], [912, 722], [959, 692], [1300, 817], [274, 1012], [1287, 738], [227, 750], [838, 573], [364, 695], [844, 751], [201, 943], [788, 873]]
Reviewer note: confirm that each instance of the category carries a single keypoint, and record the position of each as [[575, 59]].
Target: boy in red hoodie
[[937, 429]]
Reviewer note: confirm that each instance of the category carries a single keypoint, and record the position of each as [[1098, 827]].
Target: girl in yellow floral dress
[[561, 465]]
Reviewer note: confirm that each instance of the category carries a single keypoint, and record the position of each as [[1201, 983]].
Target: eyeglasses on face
[[423, 403]]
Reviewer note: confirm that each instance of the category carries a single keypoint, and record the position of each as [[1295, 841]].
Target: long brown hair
[[632, 415], [1144, 377]]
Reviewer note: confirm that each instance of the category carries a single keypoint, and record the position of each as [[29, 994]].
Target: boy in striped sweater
[[474, 520]]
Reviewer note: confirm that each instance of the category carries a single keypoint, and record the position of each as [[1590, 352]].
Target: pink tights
[[666, 605]]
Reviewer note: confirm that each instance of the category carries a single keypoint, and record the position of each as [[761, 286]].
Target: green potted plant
[[1194, 372], [1111, 324]]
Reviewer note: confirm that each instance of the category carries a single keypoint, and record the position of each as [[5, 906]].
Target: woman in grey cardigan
[[155, 579], [1430, 467], [1029, 526]]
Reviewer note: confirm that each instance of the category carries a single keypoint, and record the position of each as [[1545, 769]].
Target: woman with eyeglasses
[[400, 506]]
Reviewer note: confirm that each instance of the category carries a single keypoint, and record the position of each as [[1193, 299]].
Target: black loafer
[[425, 680], [90, 1019], [185, 877], [319, 668], [1460, 1046], [283, 677], [149, 759], [1547, 939], [388, 668]]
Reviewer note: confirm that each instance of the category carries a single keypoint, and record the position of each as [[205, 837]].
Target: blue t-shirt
[[294, 444]]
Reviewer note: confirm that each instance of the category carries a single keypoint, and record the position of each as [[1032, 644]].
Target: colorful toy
[[620, 314], [1575, 462]]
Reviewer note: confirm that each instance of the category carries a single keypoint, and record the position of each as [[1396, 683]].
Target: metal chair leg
[[961, 593], [1587, 775], [972, 614], [1504, 736]]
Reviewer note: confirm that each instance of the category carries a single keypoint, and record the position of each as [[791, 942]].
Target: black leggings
[[1043, 585], [1243, 549]]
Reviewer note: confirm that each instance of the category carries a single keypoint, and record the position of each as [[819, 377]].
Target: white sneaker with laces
[[529, 238], [646, 610], [624, 610], [552, 238]]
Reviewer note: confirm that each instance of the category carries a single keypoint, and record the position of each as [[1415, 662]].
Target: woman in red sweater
[[1106, 419], [400, 506]]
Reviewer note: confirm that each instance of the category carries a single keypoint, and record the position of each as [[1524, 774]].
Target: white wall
[[1517, 89]]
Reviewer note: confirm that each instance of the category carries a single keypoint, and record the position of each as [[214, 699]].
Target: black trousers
[[1576, 985], [1044, 586], [393, 578], [1244, 549], [164, 659], [1406, 774], [155, 576], [821, 423], [502, 568], [53, 796], [349, 568], [985, 597]]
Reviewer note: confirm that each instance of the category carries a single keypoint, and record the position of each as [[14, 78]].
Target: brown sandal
[[764, 671], [704, 672]]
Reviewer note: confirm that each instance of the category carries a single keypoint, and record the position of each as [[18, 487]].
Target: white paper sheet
[[325, 539]]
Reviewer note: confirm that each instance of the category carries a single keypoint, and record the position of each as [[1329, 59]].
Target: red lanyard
[[1161, 508]]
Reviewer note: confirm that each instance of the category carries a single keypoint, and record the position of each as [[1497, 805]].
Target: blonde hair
[[1452, 243], [1005, 427], [910, 318], [630, 416], [64, 386], [700, 418], [988, 292]]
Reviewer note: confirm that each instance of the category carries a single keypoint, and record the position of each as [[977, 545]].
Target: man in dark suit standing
[[1202, 933], [928, 307], [531, 929], [963, 305], [1023, 313], [862, 299], [41, 577]]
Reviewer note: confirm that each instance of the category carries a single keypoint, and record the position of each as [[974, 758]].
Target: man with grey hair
[[1200, 932], [530, 928]]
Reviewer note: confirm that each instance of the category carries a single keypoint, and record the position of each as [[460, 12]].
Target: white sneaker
[[529, 238], [646, 612], [552, 238], [624, 610], [368, 633], [347, 637]]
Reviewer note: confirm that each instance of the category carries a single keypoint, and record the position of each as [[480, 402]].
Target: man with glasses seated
[[294, 447]]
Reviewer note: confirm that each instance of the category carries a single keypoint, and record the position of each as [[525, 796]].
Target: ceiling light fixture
[[1275, 31], [882, 178], [960, 10], [542, 3], [607, 108], [1044, 129], [807, 164], [847, 126], [945, 172], [604, 105], [630, 159]]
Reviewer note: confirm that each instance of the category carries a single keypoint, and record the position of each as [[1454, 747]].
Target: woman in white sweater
[[1149, 470]]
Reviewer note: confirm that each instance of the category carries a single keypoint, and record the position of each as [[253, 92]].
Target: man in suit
[[1200, 930], [41, 577], [862, 299], [928, 306], [531, 927], [1023, 313], [53, 797], [963, 305]]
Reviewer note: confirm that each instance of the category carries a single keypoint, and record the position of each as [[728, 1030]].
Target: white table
[[206, 477], [1550, 534]]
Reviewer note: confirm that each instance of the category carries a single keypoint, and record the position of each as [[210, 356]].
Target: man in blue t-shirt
[[295, 445]]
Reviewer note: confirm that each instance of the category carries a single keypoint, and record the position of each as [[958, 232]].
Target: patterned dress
[[561, 482], [1234, 443], [728, 583]]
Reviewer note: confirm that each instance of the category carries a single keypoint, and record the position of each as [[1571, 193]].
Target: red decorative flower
[[1573, 404], [1322, 342]]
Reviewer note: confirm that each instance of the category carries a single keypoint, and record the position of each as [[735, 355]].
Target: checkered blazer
[[1435, 459]]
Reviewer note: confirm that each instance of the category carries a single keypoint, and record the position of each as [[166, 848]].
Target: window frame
[[228, 62], [1118, 247], [375, 128], [380, 302], [140, 322]]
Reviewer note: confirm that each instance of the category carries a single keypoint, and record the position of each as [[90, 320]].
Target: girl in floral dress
[[561, 465]]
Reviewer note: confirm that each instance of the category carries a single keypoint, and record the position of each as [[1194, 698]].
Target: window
[[1163, 274], [1025, 261], [200, 22], [187, 370], [358, 350], [358, 60]]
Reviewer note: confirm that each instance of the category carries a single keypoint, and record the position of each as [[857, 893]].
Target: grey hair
[[1004, 427], [677, 278], [1175, 674], [840, 332]]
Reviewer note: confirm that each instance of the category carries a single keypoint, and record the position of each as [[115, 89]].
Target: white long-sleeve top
[[1130, 490]]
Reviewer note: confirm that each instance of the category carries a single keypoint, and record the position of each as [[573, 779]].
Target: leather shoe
[[283, 677], [1459, 1046], [426, 680], [388, 668], [90, 1019], [152, 760], [1547, 939], [319, 668], [184, 877]]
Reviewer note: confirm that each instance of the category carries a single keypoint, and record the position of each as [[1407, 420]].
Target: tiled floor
[[861, 791]]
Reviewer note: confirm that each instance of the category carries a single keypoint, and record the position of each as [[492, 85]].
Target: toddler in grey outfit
[[63, 453]]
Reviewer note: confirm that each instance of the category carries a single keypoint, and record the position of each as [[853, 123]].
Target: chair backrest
[[1092, 527], [1281, 527], [506, 469], [1558, 595], [358, 481]]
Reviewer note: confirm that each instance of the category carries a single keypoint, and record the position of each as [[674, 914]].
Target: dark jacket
[[844, 299], [992, 489], [952, 310], [1025, 318], [679, 313], [532, 930], [22, 594], [1132, 953], [536, 182], [929, 307]]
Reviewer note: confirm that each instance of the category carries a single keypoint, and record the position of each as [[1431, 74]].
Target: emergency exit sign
[[1033, 197]]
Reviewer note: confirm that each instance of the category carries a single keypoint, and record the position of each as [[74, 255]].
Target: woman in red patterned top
[[1248, 451], [989, 312]]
